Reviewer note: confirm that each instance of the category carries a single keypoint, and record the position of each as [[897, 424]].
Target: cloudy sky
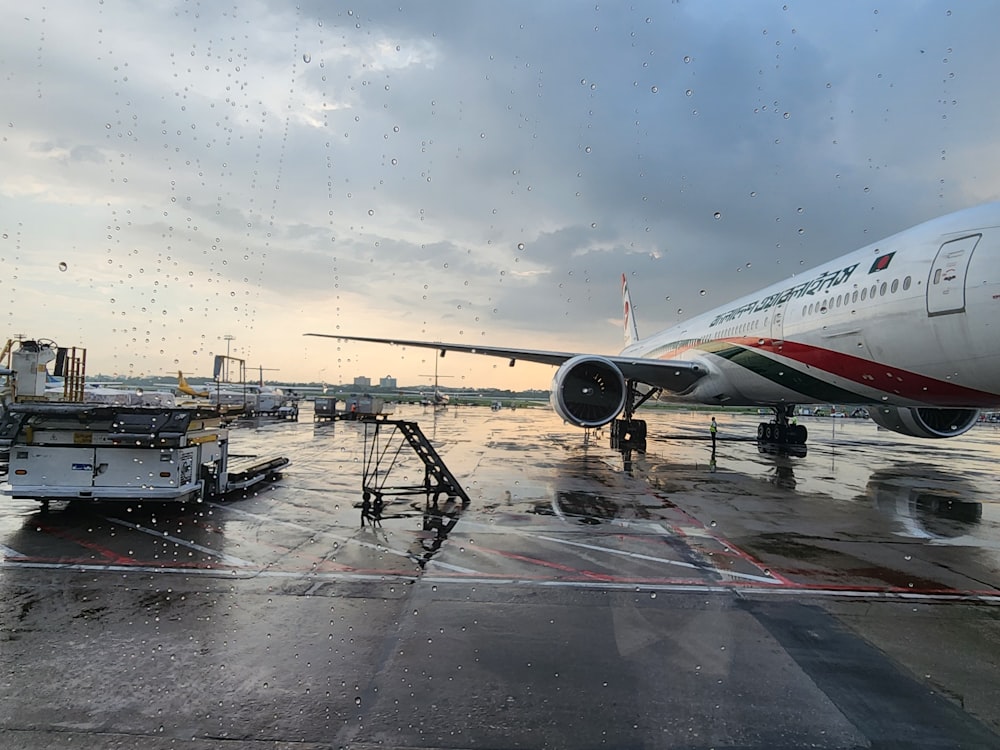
[[175, 172]]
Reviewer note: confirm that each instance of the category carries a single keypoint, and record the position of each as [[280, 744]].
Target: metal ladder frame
[[381, 457]]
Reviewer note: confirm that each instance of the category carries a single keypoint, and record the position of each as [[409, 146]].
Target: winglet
[[631, 332]]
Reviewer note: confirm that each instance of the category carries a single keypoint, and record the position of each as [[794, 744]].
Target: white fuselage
[[913, 320]]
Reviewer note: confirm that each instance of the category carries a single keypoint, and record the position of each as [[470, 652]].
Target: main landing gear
[[782, 435], [628, 434]]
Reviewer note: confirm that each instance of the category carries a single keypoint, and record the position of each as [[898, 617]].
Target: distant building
[[387, 382], [362, 382]]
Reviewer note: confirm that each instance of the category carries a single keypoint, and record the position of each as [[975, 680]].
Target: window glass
[[186, 180]]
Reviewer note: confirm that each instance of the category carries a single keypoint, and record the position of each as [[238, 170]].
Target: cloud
[[462, 169]]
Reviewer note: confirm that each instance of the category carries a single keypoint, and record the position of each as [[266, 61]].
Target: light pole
[[228, 338]]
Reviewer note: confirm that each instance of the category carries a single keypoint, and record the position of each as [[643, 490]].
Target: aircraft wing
[[672, 375]]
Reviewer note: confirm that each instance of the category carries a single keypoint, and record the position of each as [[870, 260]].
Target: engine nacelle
[[924, 422], [588, 391]]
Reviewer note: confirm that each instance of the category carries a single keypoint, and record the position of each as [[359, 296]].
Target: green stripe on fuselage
[[781, 374]]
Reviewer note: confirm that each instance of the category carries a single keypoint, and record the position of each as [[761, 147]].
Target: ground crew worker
[[712, 429]]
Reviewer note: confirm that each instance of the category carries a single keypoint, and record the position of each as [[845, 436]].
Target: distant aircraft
[[438, 399], [250, 396], [184, 387], [908, 327], [108, 392]]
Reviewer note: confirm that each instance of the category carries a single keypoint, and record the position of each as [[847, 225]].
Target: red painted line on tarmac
[[729, 548], [107, 554], [752, 561]]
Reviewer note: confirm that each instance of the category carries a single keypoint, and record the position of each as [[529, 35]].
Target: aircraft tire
[[637, 427]]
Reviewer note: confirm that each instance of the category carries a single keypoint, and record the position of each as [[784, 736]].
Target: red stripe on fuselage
[[885, 378]]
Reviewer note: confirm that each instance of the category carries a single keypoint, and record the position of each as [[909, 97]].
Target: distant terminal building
[[362, 382], [387, 382]]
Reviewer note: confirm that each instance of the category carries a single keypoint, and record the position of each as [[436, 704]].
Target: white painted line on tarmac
[[434, 563], [664, 560], [227, 559], [558, 511], [748, 577], [642, 526], [93, 568], [638, 588], [655, 527], [302, 527], [623, 553]]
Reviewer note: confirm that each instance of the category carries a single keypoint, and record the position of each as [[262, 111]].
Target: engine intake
[[924, 422], [588, 391]]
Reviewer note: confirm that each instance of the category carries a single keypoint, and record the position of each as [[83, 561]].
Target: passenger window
[[895, 286], [906, 283]]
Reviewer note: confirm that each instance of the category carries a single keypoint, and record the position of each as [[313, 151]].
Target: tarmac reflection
[[927, 502], [439, 518]]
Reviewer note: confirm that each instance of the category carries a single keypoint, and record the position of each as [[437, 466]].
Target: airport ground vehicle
[[82, 451], [58, 444]]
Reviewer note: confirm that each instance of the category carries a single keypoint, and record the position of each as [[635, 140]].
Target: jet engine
[[924, 422], [588, 391]]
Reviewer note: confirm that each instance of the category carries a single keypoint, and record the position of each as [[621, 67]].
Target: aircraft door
[[778, 321], [946, 283]]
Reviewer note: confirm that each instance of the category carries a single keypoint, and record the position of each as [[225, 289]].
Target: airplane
[[107, 392], [187, 389], [437, 399], [259, 398], [908, 327]]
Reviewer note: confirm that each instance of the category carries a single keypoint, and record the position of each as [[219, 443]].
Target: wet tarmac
[[846, 599]]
